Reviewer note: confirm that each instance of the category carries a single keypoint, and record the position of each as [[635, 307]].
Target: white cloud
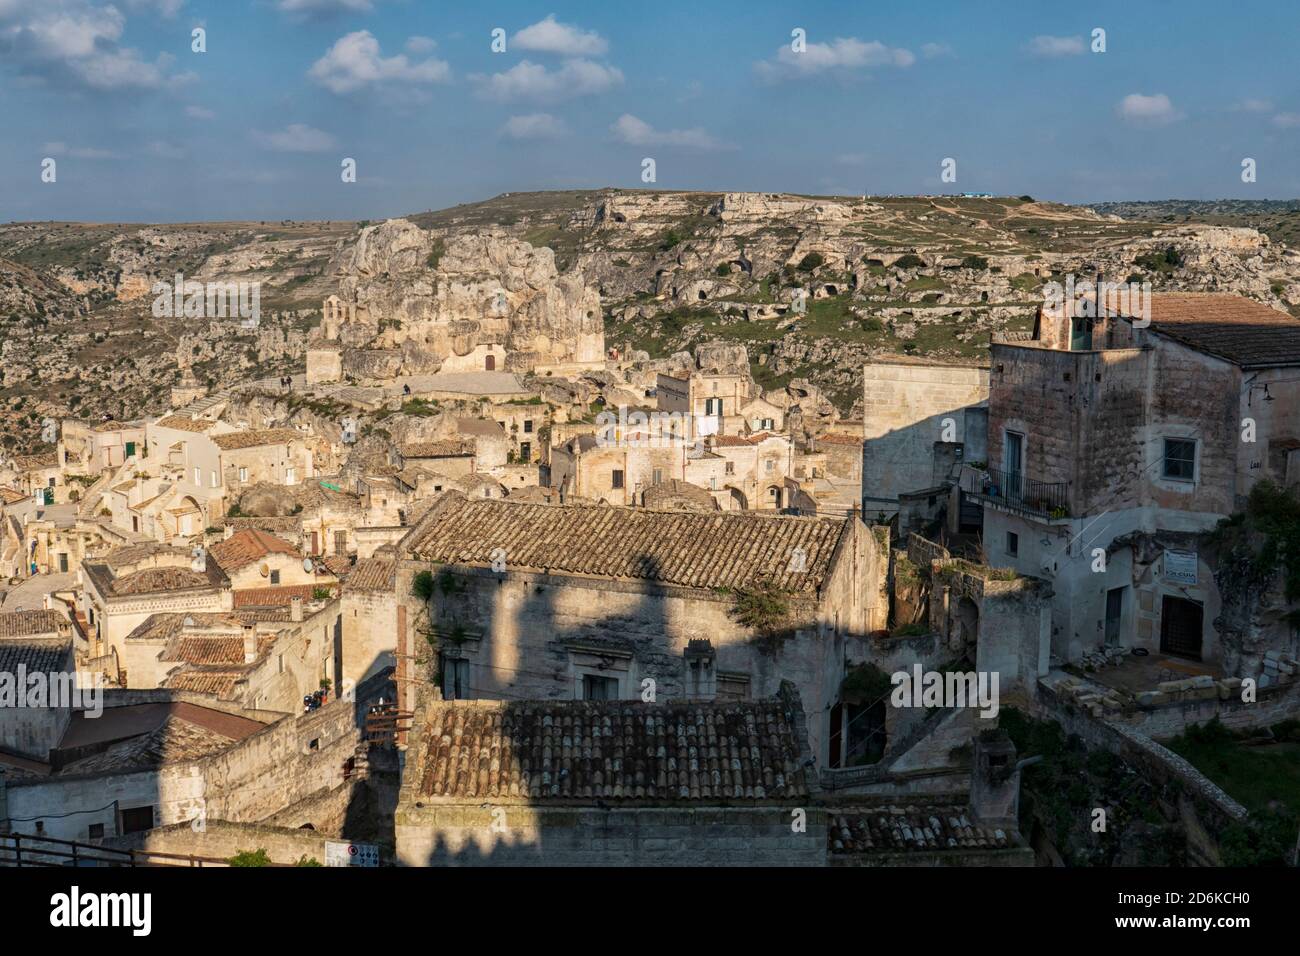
[[296, 138], [1143, 110], [324, 8], [932, 50], [419, 45], [1056, 46], [637, 132], [75, 42], [1251, 105], [842, 53], [534, 126], [549, 36], [354, 62], [164, 150], [199, 112], [1286, 120], [166, 8], [532, 81], [79, 152]]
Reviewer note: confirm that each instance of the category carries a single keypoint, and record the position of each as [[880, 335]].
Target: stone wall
[[461, 834], [904, 407], [1139, 749], [222, 840]]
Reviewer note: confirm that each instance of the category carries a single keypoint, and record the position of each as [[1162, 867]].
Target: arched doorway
[[775, 497], [738, 500], [490, 363]]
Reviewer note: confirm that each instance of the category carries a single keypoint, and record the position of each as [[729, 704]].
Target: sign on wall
[[351, 854], [1180, 566]]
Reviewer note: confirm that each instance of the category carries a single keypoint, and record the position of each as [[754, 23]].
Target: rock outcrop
[[468, 303]]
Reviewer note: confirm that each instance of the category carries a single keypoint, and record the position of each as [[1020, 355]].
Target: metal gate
[[1180, 627]]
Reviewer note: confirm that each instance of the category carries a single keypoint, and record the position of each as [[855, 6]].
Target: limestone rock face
[[466, 303]]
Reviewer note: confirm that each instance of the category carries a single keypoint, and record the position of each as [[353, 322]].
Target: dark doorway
[[490, 363], [1180, 627], [1114, 613]]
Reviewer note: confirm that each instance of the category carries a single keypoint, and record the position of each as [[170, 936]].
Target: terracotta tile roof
[[277, 596], [339, 565], [1232, 327], [200, 649], [372, 574], [34, 654], [153, 580], [232, 441], [833, 438], [581, 751], [219, 683], [30, 623], [40, 462], [184, 423], [677, 495], [177, 738], [732, 441], [11, 496], [437, 449], [895, 829], [129, 554], [168, 625], [724, 549], [244, 547]]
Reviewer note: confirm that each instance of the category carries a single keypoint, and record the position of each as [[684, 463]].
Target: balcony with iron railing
[[1019, 492]]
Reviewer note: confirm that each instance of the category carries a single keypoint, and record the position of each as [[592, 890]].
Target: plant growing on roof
[[764, 607]]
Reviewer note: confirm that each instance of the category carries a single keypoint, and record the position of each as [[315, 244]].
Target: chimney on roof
[[995, 781], [250, 645], [295, 608]]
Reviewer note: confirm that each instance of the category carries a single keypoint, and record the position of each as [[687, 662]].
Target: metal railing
[[1017, 490], [25, 849]]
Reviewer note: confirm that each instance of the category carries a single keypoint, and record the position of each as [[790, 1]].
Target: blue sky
[[144, 129]]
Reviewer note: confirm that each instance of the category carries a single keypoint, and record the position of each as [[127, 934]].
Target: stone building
[[919, 418], [130, 583], [590, 602], [1116, 442], [676, 783]]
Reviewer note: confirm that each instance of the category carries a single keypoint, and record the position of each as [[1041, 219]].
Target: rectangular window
[[340, 542], [526, 451], [1013, 543], [595, 687], [617, 480], [135, 819], [198, 477], [243, 474], [767, 466], [214, 479], [528, 426], [731, 468], [63, 563], [95, 831], [1180, 459], [658, 476], [455, 678], [275, 577], [130, 453]]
